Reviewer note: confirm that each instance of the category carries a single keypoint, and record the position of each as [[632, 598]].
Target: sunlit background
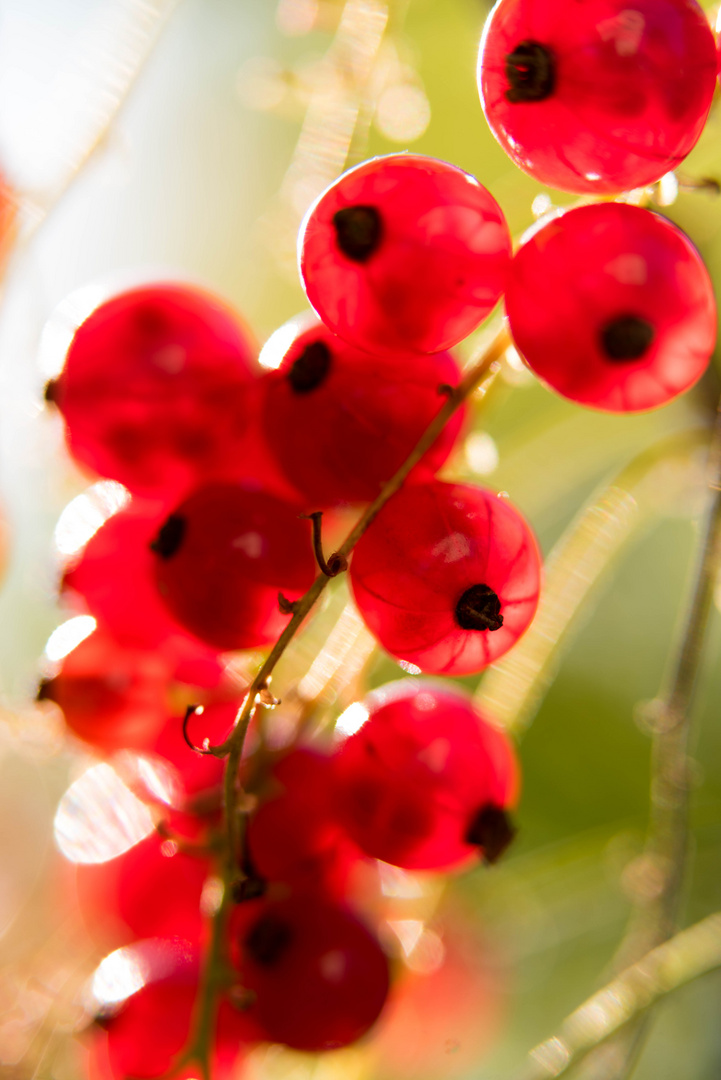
[[234, 117]]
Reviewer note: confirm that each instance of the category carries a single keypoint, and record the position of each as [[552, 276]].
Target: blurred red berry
[[221, 558], [425, 783], [155, 391]]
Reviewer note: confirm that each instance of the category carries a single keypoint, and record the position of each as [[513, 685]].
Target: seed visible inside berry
[[479, 609], [627, 337], [311, 368], [531, 72], [268, 939], [359, 230]]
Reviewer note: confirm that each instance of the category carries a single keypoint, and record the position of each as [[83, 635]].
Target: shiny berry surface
[[447, 577], [612, 306], [342, 421], [221, 558], [404, 253], [597, 95], [425, 782], [319, 975], [155, 388], [294, 836]]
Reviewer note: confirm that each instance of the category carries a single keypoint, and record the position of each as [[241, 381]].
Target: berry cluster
[[223, 459]]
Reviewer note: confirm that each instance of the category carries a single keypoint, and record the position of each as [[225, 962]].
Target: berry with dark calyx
[[156, 386], [294, 836], [319, 976], [239, 548], [341, 421], [447, 577], [404, 254], [426, 781], [113, 578], [600, 96], [612, 307]]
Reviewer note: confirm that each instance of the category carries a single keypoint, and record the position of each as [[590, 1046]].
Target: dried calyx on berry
[[531, 72], [359, 231]]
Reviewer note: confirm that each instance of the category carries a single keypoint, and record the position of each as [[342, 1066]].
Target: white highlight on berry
[[272, 354], [352, 720], [99, 817], [61, 326], [118, 976], [85, 514], [68, 636]]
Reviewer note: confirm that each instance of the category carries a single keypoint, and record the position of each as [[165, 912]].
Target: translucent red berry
[[319, 976], [447, 577], [294, 836], [152, 890], [111, 695], [342, 421], [599, 95], [113, 578], [612, 306], [404, 254], [156, 385], [426, 781], [222, 557]]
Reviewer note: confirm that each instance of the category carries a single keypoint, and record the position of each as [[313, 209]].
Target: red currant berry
[[447, 577], [113, 577], [152, 890], [319, 976], [294, 836], [155, 387], [612, 306], [110, 695], [425, 782], [404, 254], [598, 95], [146, 1032], [341, 422], [222, 557]]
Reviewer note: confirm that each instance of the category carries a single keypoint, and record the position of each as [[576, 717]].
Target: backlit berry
[[294, 836], [612, 306], [341, 421], [447, 577], [319, 976], [222, 557], [425, 782], [404, 254], [597, 95], [155, 391]]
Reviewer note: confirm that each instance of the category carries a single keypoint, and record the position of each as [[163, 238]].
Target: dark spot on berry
[[311, 368], [50, 392], [359, 231], [479, 609], [531, 72], [250, 888], [627, 338], [268, 940], [491, 829], [45, 690], [170, 537]]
